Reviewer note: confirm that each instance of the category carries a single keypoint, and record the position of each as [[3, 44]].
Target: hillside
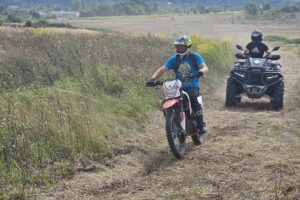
[[203, 2]]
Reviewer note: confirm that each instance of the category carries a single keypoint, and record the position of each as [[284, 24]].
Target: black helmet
[[256, 36]]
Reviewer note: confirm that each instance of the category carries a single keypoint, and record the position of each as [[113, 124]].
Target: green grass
[[276, 38], [127, 17], [68, 94]]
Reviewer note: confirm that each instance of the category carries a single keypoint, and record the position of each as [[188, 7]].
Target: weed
[[68, 93]]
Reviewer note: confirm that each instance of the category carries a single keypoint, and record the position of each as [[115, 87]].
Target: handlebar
[[269, 56], [157, 82]]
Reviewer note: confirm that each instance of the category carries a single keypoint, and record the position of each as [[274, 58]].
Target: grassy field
[[71, 94], [68, 94], [234, 26]]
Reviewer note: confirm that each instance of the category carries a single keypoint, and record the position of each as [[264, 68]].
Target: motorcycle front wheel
[[175, 135]]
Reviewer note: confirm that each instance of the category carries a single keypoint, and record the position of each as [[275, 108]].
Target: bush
[[218, 56], [45, 23], [28, 23], [14, 19], [251, 8]]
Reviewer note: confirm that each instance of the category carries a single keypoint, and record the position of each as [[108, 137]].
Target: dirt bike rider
[[182, 64], [256, 48]]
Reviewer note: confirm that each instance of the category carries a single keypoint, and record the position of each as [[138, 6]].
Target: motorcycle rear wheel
[[175, 135]]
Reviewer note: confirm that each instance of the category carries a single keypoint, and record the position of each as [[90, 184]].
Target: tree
[[2, 8], [14, 19], [266, 7], [35, 14], [104, 10], [94, 4], [77, 4], [83, 4], [251, 8], [28, 23]]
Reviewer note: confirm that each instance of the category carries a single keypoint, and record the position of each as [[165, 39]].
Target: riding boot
[[200, 124]]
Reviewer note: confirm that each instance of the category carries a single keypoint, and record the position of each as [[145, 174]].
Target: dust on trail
[[251, 152]]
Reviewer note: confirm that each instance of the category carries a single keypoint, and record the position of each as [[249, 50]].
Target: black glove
[[199, 74], [151, 82]]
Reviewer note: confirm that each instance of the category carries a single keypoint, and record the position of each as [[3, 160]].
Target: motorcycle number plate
[[172, 89]]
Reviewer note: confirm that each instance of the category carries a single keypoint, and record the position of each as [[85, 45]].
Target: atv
[[255, 78]]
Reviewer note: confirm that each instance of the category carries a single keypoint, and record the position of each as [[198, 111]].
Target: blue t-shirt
[[186, 68]]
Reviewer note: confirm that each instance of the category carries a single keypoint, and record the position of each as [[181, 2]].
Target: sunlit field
[[222, 25]]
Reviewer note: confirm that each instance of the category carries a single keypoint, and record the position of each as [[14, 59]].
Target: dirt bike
[[180, 119], [255, 78]]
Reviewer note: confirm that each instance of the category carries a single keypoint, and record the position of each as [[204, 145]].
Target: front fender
[[169, 103]]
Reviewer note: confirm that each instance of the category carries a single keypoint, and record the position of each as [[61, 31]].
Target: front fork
[[182, 113]]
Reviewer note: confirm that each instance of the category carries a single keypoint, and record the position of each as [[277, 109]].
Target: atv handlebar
[[269, 56]]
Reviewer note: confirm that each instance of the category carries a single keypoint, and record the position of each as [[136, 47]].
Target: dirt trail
[[250, 152]]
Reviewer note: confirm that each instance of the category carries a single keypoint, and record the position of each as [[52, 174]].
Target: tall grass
[[69, 93], [218, 56]]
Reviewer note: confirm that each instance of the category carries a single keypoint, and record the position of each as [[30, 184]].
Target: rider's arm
[[203, 68], [167, 66], [267, 49], [159, 72], [248, 47]]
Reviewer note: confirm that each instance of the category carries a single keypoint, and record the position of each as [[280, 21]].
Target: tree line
[[261, 9], [127, 7]]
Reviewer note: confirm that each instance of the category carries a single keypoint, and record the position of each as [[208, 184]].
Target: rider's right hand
[[199, 73], [151, 82]]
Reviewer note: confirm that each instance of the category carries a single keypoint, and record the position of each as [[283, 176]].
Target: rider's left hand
[[151, 82]]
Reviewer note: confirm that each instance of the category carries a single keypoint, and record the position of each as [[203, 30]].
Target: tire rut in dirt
[[159, 160]]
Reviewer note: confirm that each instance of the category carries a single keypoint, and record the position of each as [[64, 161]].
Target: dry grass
[[68, 94], [251, 152], [211, 25]]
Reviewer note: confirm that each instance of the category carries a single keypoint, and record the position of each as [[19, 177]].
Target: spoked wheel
[[176, 137]]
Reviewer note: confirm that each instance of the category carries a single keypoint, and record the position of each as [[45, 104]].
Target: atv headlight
[[274, 67], [270, 77], [240, 65]]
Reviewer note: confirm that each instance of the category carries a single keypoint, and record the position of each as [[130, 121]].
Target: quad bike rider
[[188, 67], [255, 75], [256, 48]]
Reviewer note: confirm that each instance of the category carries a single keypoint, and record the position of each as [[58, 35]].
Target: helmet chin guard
[[184, 53]]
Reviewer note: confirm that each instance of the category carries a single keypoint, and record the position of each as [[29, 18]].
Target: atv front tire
[[231, 93], [277, 93]]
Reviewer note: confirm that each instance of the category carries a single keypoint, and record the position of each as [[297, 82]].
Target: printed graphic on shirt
[[255, 50], [185, 69]]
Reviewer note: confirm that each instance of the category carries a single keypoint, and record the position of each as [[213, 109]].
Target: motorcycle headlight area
[[171, 89]]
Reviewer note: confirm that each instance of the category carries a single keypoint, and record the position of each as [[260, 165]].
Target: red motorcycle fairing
[[169, 103]]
